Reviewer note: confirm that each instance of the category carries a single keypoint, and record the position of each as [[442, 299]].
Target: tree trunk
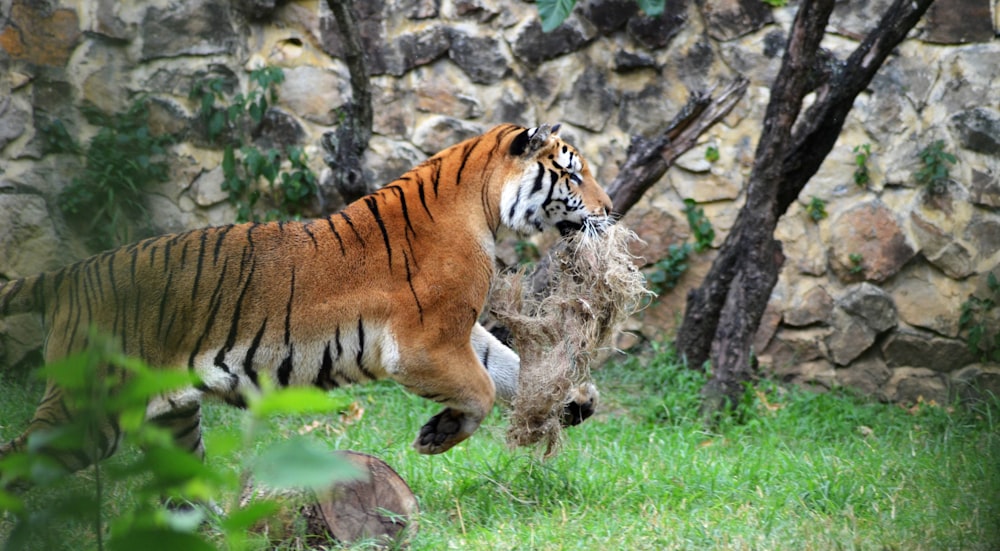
[[723, 314], [345, 146]]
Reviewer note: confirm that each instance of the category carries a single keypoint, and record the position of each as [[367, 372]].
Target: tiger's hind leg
[[182, 419], [459, 382], [180, 415], [98, 440]]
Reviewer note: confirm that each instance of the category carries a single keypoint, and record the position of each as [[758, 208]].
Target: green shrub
[[121, 162], [975, 320], [816, 209], [934, 174], [250, 174], [862, 176], [101, 384], [700, 226], [666, 272]]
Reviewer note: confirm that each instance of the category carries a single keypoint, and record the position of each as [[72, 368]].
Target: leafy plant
[[712, 154], [935, 173], [856, 263], [667, 271], [554, 12], [286, 190], [862, 177], [776, 3], [975, 322], [57, 139], [816, 209], [700, 226], [122, 161], [101, 385]]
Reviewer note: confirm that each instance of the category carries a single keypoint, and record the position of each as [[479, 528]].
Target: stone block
[[14, 117], [731, 19], [608, 15], [439, 132], [38, 35], [958, 22], [871, 304], [481, 57], [198, 28], [867, 374], [814, 305], [423, 46], [22, 337], [911, 385], [871, 230], [927, 298], [533, 46], [977, 382], [29, 242], [816, 374], [278, 130], [984, 189], [591, 101], [849, 337], [793, 346], [978, 129], [908, 346], [315, 94], [656, 32]]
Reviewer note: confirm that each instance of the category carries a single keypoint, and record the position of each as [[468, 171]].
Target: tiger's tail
[[25, 295]]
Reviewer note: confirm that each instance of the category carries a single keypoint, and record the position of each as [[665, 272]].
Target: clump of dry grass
[[592, 287]]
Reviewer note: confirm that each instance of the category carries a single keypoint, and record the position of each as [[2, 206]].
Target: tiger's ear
[[531, 140]]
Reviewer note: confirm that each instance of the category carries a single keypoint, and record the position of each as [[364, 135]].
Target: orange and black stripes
[[372, 202], [389, 287]]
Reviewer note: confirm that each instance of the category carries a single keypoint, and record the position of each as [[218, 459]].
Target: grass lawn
[[798, 470]]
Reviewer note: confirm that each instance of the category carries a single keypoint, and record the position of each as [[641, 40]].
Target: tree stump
[[378, 507]]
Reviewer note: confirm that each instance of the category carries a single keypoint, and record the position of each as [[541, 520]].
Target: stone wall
[[870, 296]]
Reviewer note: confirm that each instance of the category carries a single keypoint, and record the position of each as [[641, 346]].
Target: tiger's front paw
[[444, 430], [580, 404]]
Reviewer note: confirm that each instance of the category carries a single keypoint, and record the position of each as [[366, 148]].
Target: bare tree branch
[[648, 159]]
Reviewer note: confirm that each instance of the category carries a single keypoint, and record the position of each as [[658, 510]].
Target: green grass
[[798, 471]]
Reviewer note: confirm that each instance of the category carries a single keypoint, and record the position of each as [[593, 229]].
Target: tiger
[[391, 287]]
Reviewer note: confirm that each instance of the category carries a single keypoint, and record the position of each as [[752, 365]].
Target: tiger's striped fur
[[391, 287]]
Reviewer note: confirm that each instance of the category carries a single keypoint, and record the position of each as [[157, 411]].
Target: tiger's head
[[555, 189]]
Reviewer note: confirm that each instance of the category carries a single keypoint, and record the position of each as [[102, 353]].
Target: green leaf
[[216, 124], [229, 162], [256, 111], [296, 400], [147, 384], [158, 539], [302, 462], [243, 518], [651, 8], [712, 154], [10, 502], [554, 12]]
